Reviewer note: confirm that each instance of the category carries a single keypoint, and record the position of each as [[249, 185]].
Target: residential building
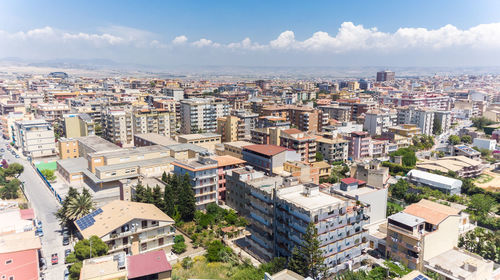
[[231, 128], [201, 114], [442, 183], [118, 127], [436, 101], [466, 151], [422, 117], [378, 121], [8, 121], [303, 117], [269, 158], [78, 125], [360, 145], [35, 138], [373, 173], [460, 264], [444, 119], [358, 108], [385, 76], [248, 121], [67, 148], [324, 169], [234, 149], [333, 150], [203, 174], [488, 144], [306, 173], [464, 167], [421, 232], [225, 163], [52, 111], [19, 255], [406, 130], [301, 142], [206, 140], [268, 135], [339, 113], [132, 227], [159, 121], [272, 121], [176, 94]]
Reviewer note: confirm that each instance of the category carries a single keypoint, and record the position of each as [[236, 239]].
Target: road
[[45, 205]]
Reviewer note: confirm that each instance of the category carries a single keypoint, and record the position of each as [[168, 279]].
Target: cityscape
[[338, 141]]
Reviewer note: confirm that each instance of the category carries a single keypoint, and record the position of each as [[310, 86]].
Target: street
[[45, 205]]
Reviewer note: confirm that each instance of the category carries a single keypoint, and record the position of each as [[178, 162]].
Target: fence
[[58, 197]]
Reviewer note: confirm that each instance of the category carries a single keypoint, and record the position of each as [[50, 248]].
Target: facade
[[118, 127], [52, 111], [158, 121], [378, 121], [333, 150], [385, 76], [373, 173], [464, 167], [301, 142], [19, 255], [203, 172], [235, 149], [35, 138], [205, 140], [360, 145], [267, 158], [132, 227], [444, 119], [201, 114], [406, 130], [339, 113], [421, 232], [8, 121], [67, 148], [78, 125], [230, 128], [422, 117], [466, 151], [225, 163], [488, 144]]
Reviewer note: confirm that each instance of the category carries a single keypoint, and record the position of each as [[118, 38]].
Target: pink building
[[360, 145], [19, 256], [225, 163]]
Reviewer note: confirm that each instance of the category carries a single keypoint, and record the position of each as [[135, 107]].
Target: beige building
[[463, 166], [421, 232], [159, 121], [52, 111], [373, 173], [118, 127], [132, 227], [35, 138], [8, 121], [231, 128], [205, 140], [460, 264], [407, 130], [336, 149], [201, 114], [67, 148], [234, 149], [78, 125]]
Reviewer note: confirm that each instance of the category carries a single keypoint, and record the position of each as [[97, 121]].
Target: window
[[125, 240], [160, 242], [154, 223], [11, 278], [144, 246], [8, 261], [144, 224]]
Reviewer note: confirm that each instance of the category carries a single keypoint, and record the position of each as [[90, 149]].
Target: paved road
[[45, 206]]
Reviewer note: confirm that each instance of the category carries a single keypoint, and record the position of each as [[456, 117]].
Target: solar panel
[[420, 277], [88, 220]]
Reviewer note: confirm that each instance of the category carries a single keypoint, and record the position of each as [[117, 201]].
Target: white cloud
[[245, 44], [180, 40], [205, 43], [285, 40]]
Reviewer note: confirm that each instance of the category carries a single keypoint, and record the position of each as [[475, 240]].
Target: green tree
[[179, 247], [48, 174], [82, 251], [158, 198], [409, 157], [400, 189], [393, 208], [481, 204], [466, 139], [309, 260], [10, 190], [481, 122], [319, 156], [169, 198], [186, 200], [79, 205], [436, 127], [454, 140], [61, 212], [15, 169], [217, 252]]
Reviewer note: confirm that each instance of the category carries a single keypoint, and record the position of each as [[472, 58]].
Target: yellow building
[[78, 125], [324, 169], [421, 232], [67, 148], [305, 172], [230, 128], [205, 140], [407, 130]]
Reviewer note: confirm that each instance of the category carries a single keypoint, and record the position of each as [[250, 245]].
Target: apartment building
[[224, 164], [303, 117], [8, 121], [78, 125], [171, 106], [118, 127], [248, 121], [333, 150], [19, 255], [67, 148], [463, 166], [176, 94], [234, 149], [301, 142], [52, 111], [441, 102], [35, 138], [132, 227], [231, 128], [206, 140], [358, 108], [378, 121], [444, 119], [360, 145], [372, 172], [306, 173], [203, 174], [268, 158], [466, 151], [385, 76], [159, 121], [201, 114], [268, 135], [421, 232], [339, 113], [272, 121], [406, 130], [422, 117]]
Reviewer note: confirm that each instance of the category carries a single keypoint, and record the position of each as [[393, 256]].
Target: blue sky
[[435, 33]]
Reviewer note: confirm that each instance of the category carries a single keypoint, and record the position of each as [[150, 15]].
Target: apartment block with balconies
[[158, 121], [118, 127], [200, 114], [132, 227], [301, 142]]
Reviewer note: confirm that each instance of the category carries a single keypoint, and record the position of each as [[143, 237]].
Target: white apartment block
[[35, 138], [158, 121], [202, 113], [378, 121], [422, 117], [118, 127], [444, 118]]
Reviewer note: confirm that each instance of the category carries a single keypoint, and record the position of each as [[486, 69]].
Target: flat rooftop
[[98, 144], [196, 136], [406, 219], [73, 165], [316, 200], [157, 139], [453, 261]]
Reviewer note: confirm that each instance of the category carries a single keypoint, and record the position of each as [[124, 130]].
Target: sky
[[255, 33]]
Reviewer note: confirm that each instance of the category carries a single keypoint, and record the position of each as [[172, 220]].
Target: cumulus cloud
[[205, 43], [180, 40]]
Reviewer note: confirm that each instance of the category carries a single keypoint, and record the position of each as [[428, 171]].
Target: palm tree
[[79, 206]]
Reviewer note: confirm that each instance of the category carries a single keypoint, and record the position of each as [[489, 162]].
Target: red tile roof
[[147, 264], [292, 131], [352, 180], [268, 150]]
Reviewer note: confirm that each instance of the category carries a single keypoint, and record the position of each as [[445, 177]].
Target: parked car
[[67, 252], [43, 264], [2, 150], [39, 232], [54, 259], [65, 240], [17, 156], [66, 274], [38, 224]]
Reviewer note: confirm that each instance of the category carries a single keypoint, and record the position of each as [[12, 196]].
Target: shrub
[[179, 248], [179, 238]]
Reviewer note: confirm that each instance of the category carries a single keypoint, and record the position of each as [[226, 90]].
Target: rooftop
[[197, 136], [157, 139], [148, 263], [108, 265], [117, 213], [453, 262], [432, 212], [268, 150], [314, 201], [98, 144], [406, 219], [20, 241], [227, 160], [186, 147]]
